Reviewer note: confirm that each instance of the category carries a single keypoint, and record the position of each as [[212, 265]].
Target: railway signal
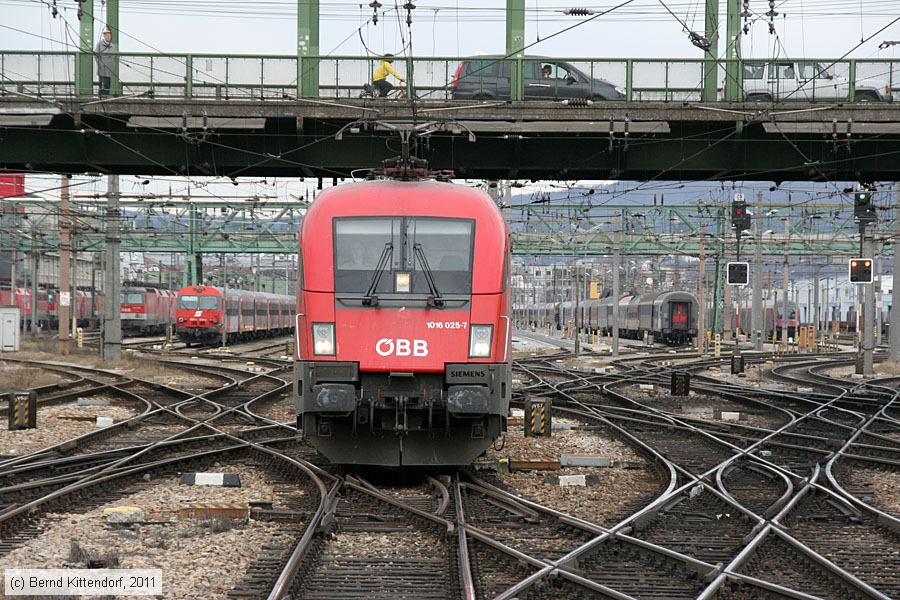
[[740, 218], [864, 206], [860, 270], [738, 273]]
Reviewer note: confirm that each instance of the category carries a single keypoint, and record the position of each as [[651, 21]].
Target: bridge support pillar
[[112, 21], [112, 319], [710, 69], [84, 60], [733, 84], [515, 44], [307, 48]]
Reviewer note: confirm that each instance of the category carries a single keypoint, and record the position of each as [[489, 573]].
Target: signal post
[[738, 273], [861, 272]]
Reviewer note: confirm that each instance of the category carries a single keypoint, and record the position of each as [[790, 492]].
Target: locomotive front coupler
[[401, 423]]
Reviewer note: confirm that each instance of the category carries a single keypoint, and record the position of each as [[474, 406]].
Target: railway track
[[769, 509], [726, 493]]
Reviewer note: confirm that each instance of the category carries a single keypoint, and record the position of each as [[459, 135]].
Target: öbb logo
[[387, 346]]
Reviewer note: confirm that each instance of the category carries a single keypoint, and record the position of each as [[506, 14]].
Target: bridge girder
[[263, 225], [511, 140]]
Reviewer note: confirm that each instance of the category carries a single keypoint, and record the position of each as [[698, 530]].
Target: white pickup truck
[[806, 81]]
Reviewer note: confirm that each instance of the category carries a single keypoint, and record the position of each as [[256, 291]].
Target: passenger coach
[[204, 314], [403, 327]]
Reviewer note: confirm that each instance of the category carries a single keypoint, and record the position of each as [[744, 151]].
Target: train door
[[681, 315]]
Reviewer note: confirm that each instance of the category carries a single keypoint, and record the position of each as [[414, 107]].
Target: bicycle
[[370, 91]]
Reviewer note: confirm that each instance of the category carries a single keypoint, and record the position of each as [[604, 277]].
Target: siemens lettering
[[458, 374], [400, 347]]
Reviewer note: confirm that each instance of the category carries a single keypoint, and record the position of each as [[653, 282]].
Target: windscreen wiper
[[371, 299], [435, 299]]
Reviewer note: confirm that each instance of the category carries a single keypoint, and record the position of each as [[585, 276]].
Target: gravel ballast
[[56, 424], [199, 558], [601, 503]]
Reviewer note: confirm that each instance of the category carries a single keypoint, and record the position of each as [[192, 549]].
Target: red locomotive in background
[[403, 329], [146, 310], [87, 307], [205, 313]]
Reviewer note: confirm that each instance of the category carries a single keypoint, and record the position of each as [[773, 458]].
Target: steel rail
[[465, 568], [605, 388]]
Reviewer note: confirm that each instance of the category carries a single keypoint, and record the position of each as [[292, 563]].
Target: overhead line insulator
[[578, 12]]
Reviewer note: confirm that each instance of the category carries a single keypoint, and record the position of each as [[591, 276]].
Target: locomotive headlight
[[402, 282], [480, 341], [323, 339]]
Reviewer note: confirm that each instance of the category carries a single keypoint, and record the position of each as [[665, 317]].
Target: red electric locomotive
[[403, 328], [204, 313], [86, 305], [146, 310]]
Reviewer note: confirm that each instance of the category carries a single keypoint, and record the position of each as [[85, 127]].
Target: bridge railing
[[217, 76]]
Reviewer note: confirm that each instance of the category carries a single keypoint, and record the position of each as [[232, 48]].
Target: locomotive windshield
[[446, 245], [131, 298], [198, 303]]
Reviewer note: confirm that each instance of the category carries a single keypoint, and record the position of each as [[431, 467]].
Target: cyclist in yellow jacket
[[379, 79]]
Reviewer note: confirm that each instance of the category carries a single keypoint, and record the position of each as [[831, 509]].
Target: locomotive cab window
[[198, 303], [131, 298], [425, 248]]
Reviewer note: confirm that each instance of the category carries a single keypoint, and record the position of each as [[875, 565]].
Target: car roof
[[530, 56]]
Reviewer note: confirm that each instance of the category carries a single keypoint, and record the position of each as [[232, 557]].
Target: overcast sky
[[643, 28]]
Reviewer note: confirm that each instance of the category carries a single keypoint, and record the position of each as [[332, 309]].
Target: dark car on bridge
[[488, 78]]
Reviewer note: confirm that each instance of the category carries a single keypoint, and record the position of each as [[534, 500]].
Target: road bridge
[[498, 140], [720, 116]]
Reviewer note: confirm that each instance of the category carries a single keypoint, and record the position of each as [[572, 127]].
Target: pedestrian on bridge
[[106, 61]]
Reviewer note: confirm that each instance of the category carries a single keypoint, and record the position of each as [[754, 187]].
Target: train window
[[506, 259], [446, 244], [447, 247], [198, 302], [299, 271], [359, 244], [131, 298]]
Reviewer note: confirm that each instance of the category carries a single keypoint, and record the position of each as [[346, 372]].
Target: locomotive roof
[[386, 197], [192, 290]]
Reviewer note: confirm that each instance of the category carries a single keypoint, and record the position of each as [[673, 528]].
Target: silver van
[[806, 81]]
